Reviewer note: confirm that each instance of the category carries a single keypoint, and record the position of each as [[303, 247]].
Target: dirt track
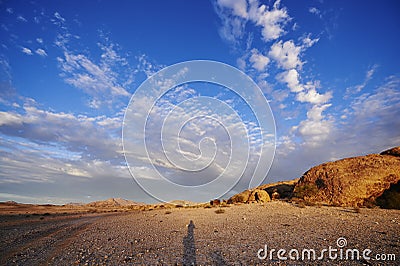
[[233, 237]]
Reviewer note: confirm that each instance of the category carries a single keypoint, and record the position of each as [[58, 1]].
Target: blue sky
[[329, 69]]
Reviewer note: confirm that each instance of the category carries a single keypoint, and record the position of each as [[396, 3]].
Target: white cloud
[[271, 21], [21, 18], [314, 10], [9, 118], [239, 7], [241, 63], [39, 40], [358, 88], [308, 42], [146, 66], [286, 54], [27, 51], [384, 103], [314, 97], [291, 78], [280, 96], [59, 17], [316, 128], [68, 130], [41, 52], [232, 28], [258, 60], [104, 81]]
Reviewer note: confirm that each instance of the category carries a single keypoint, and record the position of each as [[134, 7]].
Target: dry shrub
[[306, 190], [219, 211]]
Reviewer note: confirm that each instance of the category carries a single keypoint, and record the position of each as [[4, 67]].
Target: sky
[[329, 70]]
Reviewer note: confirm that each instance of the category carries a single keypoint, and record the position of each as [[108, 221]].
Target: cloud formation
[[358, 88], [258, 60], [271, 20], [100, 81], [286, 54]]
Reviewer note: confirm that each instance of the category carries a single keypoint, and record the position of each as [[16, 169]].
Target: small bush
[[306, 190], [168, 212], [219, 211]]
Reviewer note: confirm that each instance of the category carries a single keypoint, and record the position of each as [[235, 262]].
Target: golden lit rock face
[[251, 196], [354, 181]]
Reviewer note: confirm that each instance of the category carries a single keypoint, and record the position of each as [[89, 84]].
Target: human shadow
[[189, 252]]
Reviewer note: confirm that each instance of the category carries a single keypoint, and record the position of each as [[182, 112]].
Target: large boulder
[[258, 195], [250, 196]]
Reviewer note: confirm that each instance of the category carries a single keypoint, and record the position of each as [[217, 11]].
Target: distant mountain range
[[113, 202]]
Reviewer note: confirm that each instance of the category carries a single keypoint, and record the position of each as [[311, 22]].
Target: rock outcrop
[[357, 181]]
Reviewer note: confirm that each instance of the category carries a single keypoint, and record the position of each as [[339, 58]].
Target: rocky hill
[[354, 181], [359, 181]]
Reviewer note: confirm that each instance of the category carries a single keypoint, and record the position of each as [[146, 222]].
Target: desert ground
[[231, 235]]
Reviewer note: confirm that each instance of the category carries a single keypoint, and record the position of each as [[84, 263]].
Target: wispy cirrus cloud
[[358, 88], [21, 18], [102, 81]]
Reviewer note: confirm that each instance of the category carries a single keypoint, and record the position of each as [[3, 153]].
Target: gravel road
[[200, 236]]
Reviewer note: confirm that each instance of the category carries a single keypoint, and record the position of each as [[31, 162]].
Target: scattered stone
[[215, 202]]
